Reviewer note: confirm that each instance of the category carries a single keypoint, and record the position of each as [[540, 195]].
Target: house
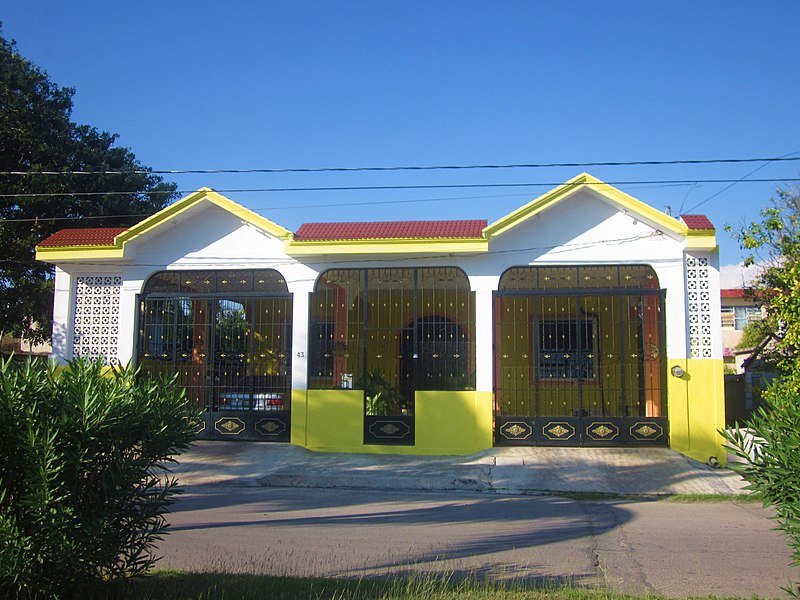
[[737, 308], [583, 318]]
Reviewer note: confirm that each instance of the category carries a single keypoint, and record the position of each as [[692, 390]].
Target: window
[[567, 349], [742, 315]]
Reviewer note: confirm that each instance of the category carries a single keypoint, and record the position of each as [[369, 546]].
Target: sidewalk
[[518, 470]]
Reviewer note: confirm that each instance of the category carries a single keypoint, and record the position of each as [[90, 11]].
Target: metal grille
[[392, 332], [230, 351], [575, 365]]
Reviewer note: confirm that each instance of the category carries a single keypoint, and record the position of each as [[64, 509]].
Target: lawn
[[176, 585]]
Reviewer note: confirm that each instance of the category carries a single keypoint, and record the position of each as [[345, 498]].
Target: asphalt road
[[644, 546]]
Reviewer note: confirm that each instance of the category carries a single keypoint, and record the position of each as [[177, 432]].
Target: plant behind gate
[[83, 489]]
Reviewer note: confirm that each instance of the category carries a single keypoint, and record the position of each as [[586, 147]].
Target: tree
[[770, 449], [38, 135], [754, 333]]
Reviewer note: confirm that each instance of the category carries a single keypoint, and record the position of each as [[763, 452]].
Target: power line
[[409, 167], [213, 261], [283, 207], [407, 187], [743, 178]]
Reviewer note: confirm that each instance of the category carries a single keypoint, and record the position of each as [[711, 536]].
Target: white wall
[[581, 230]]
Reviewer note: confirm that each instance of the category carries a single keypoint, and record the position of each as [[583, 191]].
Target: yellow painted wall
[[453, 422], [560, 397], [299, 419], [696, 406], [334, 420], [445, 422]]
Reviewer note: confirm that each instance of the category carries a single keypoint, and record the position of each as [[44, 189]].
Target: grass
[[688, 498], [178, 585]]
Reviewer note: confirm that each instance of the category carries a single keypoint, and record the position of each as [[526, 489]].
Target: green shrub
[[770, 446], [83, 487]]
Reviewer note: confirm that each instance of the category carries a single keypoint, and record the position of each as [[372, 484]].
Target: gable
[[585, 184], [78, 244]]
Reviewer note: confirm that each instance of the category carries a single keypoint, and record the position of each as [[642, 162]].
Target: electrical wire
[[408, 168], [744, 178], [403, 187], [214, 261]]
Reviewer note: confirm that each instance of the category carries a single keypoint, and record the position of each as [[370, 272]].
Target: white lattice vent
[[697, 281], [96, 320]]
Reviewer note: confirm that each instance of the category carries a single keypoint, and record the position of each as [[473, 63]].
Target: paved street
[[644, 546]]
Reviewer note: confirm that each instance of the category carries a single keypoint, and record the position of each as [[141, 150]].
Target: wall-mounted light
[[677, 371]]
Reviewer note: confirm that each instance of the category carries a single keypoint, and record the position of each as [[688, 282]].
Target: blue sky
[[205, 85]]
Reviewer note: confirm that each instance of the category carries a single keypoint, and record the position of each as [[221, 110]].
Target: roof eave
[[387, 246]]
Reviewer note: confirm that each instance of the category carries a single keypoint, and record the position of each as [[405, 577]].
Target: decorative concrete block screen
[[96, 319], [699, 297]]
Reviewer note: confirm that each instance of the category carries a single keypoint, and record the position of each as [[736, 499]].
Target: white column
[[483, 286], [62, 316], [300, 308], [128, 309]]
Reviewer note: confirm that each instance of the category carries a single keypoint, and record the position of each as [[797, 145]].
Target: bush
[[83, 486], [772, 454]]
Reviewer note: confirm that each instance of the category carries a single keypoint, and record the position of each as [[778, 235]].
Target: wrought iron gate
[[227, 335], [580, 357]]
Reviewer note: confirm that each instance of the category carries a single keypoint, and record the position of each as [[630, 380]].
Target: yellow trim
[[53, 254], [384, 246], [574, 185], [695, 238], [184, 204], [700, 239], [117, 250]]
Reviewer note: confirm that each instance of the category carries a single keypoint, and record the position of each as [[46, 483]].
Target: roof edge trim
[[572, 186]]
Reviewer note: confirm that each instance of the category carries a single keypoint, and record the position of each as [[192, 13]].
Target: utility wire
[[409, 168], [403, 187], [743, 178], [212, 261]]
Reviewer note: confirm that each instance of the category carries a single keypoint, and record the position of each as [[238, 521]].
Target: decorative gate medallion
[[602, 431], [229, 426], [558, 430]]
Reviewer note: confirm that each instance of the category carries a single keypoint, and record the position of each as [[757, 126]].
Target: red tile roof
[[697, 222], [732, 293], [98, 236], [390, 230]]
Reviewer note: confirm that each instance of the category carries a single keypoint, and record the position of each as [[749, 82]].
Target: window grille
[[392, 332]]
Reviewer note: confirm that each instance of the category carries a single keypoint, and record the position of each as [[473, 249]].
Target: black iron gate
[[580, 357], [227, 335]]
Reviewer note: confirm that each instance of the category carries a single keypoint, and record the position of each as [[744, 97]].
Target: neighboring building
[[585, 317], [738, 309], [21, 347]]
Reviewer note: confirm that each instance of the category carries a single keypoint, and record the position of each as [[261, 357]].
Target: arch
[[226, 335], [580, 356], [227, 281]]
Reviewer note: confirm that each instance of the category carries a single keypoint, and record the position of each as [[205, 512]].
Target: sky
[[310, 84]]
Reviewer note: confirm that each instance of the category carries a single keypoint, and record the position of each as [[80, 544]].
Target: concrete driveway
[[636, 471]]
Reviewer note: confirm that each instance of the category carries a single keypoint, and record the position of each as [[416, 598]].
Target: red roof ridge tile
[[697, 222]]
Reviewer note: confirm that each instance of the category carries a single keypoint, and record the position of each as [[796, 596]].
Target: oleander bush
[[769, 444], [84, 484], [771, 449]]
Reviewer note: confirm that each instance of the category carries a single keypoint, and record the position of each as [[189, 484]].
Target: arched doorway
[[580, 356], [227, 336]]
